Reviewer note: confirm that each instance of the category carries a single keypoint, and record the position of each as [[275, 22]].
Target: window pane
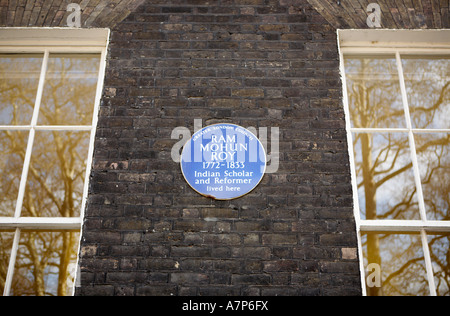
[[56, 174], [19, 79], [13, 145], [401, 262], [373, 90], [440, 257], [433, 155], [386, 186], [427, 80], [6, 241], [69, 92], [43, 264]]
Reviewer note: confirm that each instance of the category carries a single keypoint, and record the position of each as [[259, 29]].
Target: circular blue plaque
[[223, 161]]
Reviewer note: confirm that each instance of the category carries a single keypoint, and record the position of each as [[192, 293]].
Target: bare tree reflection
[[386, 185], [43, 260]]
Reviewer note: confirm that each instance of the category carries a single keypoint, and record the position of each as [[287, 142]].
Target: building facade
[[153, 73]]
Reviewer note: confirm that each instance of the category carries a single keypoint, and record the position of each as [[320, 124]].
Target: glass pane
[[13, 145], [373, 90], [400, 262], [19, 80], [433, 155], [44, 264], [56, 174], [69, 91], [440, 258], [427, 80], [386, 186], [6, 241]]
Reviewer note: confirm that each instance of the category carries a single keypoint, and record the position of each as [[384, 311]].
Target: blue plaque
[[223, 161]]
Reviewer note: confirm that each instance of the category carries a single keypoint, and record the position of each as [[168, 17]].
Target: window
[[397, 103], [49, 98]]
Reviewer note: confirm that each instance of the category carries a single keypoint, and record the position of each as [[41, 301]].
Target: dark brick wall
[[260, 63]]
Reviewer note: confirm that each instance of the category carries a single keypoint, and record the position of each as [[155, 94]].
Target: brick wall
[[260, 63]]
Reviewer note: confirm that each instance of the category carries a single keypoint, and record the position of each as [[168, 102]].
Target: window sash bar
[[380, 225], [428, 264], [12, 263], [397, 130], [26, 163], [46, 128], [412, 143], [354, 50], [41, 223]]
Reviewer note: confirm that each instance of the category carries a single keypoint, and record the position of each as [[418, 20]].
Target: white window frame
[[393, 42], [47, 41]]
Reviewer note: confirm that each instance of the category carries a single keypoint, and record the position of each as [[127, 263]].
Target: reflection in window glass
[[6, 241], [427, 81], [44, 264], [52, 161], [373, 91], [56, 174], [69, 92], [383, 162], [392, 164], [440, 258], [12, 152], [401, 261], [433, 156], [19, 79]]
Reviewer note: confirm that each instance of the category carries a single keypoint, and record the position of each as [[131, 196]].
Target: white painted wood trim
[[389, 39], [406, 226], [45, 37], [41, 223]]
